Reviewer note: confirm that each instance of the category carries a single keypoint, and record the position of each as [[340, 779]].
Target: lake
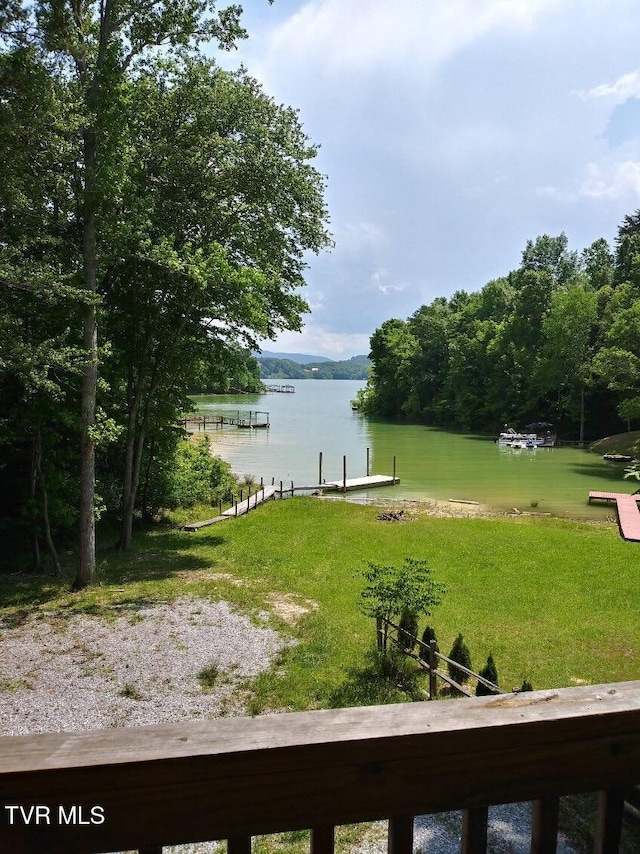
[[431, 463]]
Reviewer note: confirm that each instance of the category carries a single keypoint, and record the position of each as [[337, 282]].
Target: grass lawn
[[553, 601]]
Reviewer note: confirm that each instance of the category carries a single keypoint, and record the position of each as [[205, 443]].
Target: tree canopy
[[554, 340], [147, 195]]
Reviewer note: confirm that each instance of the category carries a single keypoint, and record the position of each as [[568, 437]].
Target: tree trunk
[[45, 510], [87, 525], [36, 565], [128, 489]]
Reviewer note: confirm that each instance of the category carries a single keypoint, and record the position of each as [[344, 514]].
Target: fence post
[[433, 666], [367, 462], [344, 473]]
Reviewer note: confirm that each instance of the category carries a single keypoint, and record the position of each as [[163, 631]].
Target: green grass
[[553, 601]]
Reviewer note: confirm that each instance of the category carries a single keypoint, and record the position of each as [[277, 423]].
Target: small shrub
[[459, 653], [488, 672], [427, 636], [408, 629], [130, 691], [526, 686], [208, 677]]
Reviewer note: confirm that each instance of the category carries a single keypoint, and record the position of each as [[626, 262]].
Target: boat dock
[[250, 419], [628, 514], [278, 389], [370, 482]]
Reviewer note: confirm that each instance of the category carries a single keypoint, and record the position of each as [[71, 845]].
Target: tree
[[551, 254], [392, 589], [183, 195], [393, 350], [93, 47], [489, 673], [461, 655], [210, 154], [565, 362]]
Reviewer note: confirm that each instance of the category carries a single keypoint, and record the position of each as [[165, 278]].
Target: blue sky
[[451, 132]]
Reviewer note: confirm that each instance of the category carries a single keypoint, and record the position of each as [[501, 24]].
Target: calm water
[[430, 463]]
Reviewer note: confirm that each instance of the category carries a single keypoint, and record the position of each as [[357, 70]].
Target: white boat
[[514, 439]]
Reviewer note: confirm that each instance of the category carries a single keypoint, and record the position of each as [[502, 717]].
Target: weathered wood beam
[[173, 783]]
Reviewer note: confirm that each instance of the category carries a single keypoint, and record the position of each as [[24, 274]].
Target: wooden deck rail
[[235, 778]]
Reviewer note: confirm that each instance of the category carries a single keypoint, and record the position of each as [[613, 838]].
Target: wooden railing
[[236, 778], [428, 659]]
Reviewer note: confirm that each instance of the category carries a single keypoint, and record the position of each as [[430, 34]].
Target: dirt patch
[[291, 608], [194, 576]]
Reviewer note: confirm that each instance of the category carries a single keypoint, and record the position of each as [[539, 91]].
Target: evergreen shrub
[[459, 653], [488, 672]]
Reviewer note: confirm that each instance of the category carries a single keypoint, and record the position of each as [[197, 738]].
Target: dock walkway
[[237, 510], [628, 513]]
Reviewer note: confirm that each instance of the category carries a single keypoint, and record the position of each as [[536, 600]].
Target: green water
[[430, 463]]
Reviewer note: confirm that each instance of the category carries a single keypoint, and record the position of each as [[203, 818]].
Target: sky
[[450, 132]]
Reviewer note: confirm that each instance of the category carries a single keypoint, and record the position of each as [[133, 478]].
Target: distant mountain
[[356, 368], [299, 358]]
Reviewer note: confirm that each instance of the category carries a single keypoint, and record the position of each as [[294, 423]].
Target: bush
[[427, 636], [459, 653], [488, 672], [198, 476], [526, 686], [408, 629]]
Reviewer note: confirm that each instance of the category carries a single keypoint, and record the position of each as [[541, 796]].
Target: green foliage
[[408, 629], [428, 635], [554, 340], [526, 686], [209, 677], [460, 654], [392, 590], [198, 476], [490, 673], [356, 368]]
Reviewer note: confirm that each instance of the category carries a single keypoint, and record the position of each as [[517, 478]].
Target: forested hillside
[[557, 340], [356, 368]]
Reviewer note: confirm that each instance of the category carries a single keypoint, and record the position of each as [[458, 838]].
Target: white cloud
[[320, 342], [357, 237], [612, 181], [625, 87], [379, 278], [360, 33]]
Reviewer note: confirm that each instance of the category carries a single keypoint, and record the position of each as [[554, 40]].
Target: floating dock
[[371, 482], [628, 514]]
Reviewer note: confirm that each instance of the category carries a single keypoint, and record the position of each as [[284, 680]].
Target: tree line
[[155, 212], [556, 340], [355, 368]]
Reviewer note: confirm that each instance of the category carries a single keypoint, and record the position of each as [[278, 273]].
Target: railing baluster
[[544, 826], [474, 830], [609, 823], [323, 839], [239, 845], [401, 835]]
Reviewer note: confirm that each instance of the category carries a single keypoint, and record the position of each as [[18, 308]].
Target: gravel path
[[141, 668]]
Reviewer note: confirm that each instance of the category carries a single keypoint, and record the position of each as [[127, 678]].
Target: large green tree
[[187, 204]]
